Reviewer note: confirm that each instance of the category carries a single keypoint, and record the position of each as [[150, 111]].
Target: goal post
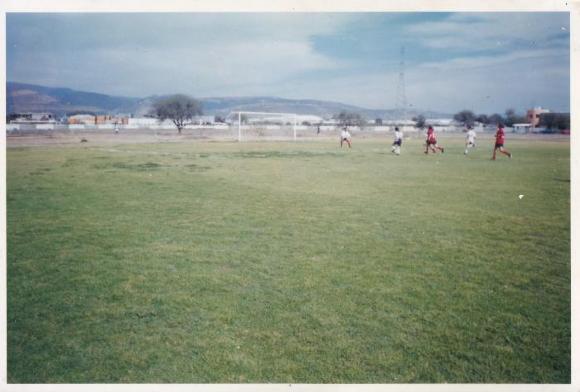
[[264, 123]]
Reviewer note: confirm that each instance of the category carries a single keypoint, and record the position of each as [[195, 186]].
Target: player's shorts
[[498, 145], [345, 139], [470, 144], [398, 143], [431, 142]]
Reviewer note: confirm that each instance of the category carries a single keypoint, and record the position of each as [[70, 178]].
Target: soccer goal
[[264, 125]]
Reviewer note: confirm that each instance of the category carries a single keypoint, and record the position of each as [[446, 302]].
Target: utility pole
[[401, 98]]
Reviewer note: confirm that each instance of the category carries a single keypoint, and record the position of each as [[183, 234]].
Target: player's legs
[[494, 151], [348, 142], [505, 152]]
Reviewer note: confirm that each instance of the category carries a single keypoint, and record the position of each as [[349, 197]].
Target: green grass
[[204, 262]]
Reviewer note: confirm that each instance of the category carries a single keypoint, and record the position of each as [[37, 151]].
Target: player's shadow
[[561, 179]]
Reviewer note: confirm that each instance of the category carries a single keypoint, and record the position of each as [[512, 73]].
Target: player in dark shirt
[[431, 142], [499, 142]]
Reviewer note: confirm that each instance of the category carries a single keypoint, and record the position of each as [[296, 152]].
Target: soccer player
[[345, 137], [499, 142], [469, 139], [431, 142], [398, 141]]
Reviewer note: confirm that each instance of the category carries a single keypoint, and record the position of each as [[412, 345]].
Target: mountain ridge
[[25, 97]]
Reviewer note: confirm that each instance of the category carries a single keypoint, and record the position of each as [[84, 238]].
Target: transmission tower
[[401, 94]]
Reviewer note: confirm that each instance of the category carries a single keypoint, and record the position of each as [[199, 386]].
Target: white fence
[[225, 129]]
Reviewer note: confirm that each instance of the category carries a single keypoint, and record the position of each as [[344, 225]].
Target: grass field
[[218, 262]]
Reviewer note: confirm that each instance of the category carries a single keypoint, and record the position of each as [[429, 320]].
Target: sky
[[484, 62]]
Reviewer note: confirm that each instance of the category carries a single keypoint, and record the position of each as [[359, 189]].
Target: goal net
[[264, 125]]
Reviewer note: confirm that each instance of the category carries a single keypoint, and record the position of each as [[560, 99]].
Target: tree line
[[468, 118], [549, 121], [181, 108]]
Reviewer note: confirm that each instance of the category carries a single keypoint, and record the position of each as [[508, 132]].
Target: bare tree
[[350, 119], [496, 119], [482, 118], [465, 117], [419, 121], [178, 108], [512, 118]]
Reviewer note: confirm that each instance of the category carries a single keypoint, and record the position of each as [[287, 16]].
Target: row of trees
[[560, 121], [468, 118], [550, 121], [350, 119], [181, 109]]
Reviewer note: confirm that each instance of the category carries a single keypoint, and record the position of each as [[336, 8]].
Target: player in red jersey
[[499, 142], [431, 142]]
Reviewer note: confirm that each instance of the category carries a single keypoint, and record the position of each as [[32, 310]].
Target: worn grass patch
[[288, 263]]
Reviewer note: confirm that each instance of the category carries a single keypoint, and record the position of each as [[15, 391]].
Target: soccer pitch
[[219, 262]]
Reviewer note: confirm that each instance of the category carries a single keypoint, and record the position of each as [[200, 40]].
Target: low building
[[99, 119], [308, 118], [444, 122], [109, 119], [87, 119], [145, 122], [33, 118], [203, 120], [521, 127]]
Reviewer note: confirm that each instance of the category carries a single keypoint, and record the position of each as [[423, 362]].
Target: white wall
[[142, 122], [44, 126]]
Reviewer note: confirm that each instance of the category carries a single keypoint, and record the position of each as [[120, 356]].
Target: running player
[[398, 141], [469, 139], [345, 137], [499, 142], [431, 142]]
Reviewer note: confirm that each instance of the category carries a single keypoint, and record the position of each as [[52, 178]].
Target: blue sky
[[485, 62]]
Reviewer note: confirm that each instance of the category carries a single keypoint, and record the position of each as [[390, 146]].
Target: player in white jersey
[[345, 137], [396, 148], [469, 139]]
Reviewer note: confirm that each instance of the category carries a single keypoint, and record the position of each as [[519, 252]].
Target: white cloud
[[202, 54], [474, 62], [481, 31], [274, 54], [493, 84]]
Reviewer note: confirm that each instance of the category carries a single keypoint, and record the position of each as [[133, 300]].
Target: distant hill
[[224, 105], [59, 101], [32, 98]]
